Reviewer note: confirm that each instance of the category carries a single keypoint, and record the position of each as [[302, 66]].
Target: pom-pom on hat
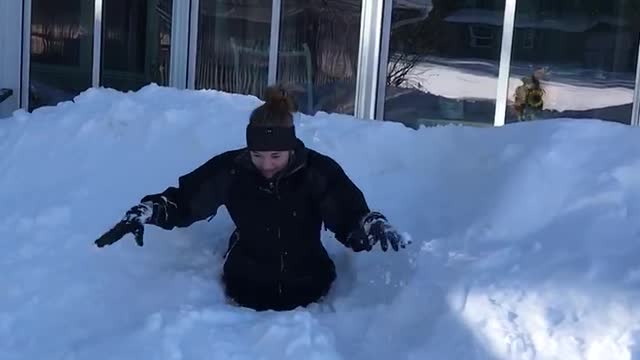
[[271, 126]]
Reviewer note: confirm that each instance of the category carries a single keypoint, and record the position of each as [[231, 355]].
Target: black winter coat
[[275, 258]]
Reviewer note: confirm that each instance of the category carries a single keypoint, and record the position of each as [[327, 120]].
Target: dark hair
[[277, 109]]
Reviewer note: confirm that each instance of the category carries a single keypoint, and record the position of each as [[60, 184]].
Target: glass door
[[443, 62], [61, 50], [233, 45], [574, 59], [136, 43], [318, 53]]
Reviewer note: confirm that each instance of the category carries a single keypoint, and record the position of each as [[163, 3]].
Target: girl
[[278, 193]]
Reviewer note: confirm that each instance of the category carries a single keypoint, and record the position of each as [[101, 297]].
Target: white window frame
[[180, 15], [502, 92], [26, 54], [384, 60], [274, 42], [635, 115], [369, 58], [97, 42], [194, 13]]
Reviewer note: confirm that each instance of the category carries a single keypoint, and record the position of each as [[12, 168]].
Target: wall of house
[[10, 53]]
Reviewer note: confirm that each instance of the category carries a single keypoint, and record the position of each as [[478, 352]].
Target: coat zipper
[[281, 265], [277, 192]]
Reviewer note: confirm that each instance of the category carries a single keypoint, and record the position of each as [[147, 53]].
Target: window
[[443, 62], [318, 54], [61, 50], [136, 43], [233, 45], [580, 62]]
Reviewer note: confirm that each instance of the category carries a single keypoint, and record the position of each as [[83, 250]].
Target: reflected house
[[477, 33], [603, 42]]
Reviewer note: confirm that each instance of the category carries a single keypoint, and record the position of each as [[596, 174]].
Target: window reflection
[[318, 54], [136, 45], [443, 61], [574, 60], [233, 45], [61, 50]]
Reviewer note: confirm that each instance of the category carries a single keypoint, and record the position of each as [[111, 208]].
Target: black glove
[[375, 228], [132, 222]]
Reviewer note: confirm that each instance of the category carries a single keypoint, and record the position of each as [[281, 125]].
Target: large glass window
[[574, 59], [136, 43], [318, 54], [233, 45], [443, 61], [61, 50]]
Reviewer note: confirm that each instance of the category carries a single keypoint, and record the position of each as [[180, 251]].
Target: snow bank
[[526, 239]]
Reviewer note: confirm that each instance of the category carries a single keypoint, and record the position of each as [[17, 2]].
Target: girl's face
[[269, 162]]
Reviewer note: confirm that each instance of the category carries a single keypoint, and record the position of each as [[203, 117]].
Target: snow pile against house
[[526, 238]]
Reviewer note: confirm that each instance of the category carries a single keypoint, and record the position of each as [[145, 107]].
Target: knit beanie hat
[[271, 126]]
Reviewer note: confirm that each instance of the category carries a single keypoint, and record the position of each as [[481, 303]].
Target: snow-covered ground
[[526, 239], [456, 80]]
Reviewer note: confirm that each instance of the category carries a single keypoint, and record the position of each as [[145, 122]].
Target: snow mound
[[525, 239]]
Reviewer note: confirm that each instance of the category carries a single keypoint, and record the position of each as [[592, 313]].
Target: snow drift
[[525, 239]]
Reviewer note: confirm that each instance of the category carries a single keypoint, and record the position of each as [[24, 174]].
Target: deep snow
[[526, 239]]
